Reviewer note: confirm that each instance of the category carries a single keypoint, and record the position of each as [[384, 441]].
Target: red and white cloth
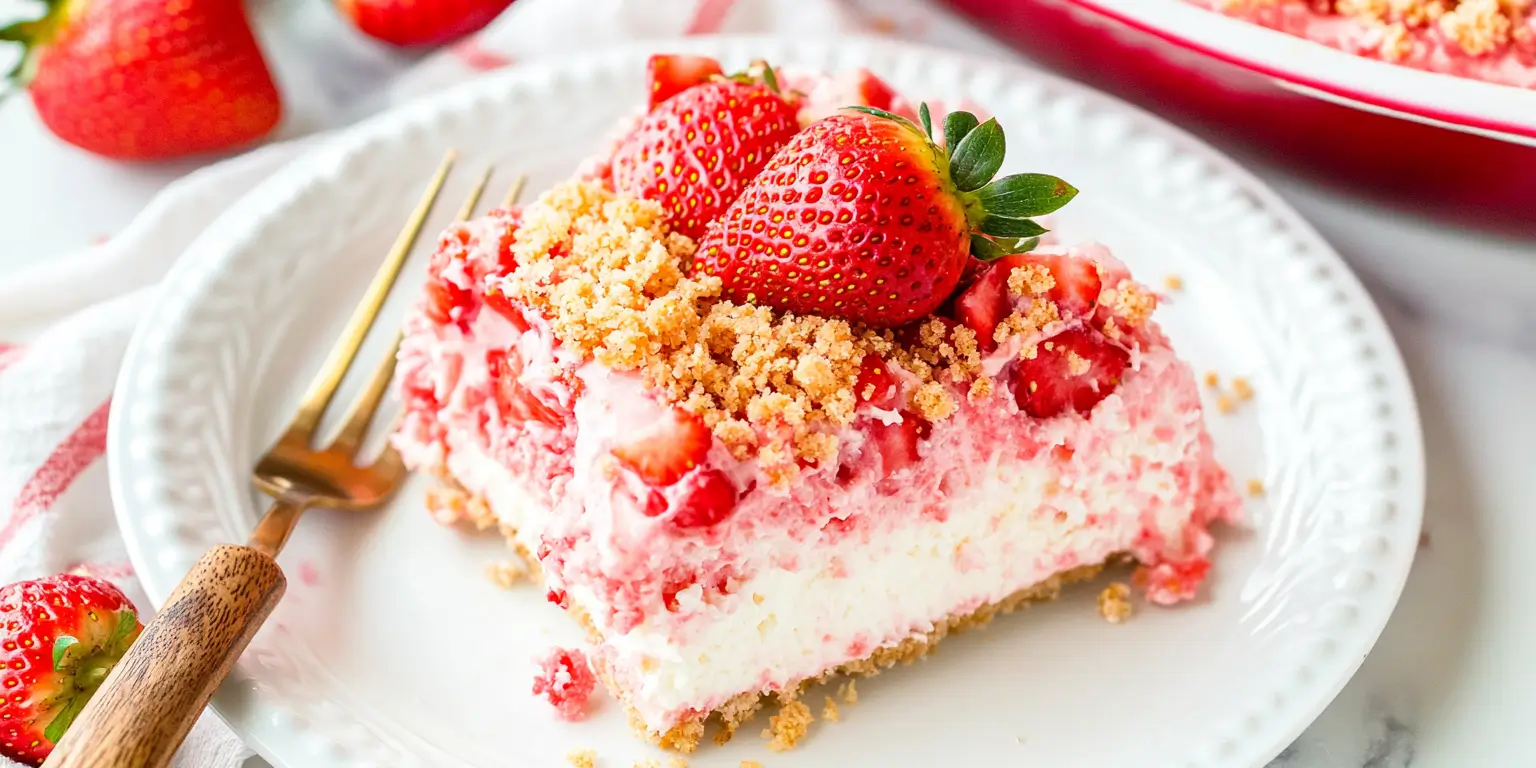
[[65, 323]]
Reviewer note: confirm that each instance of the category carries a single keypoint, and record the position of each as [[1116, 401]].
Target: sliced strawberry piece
[[1077, 287], [873, 92], [984, 305], [504, 306], [673, 73], [897, 443], [668, 450], [1072, 370], [515, 402], [876, 385], [708, 497]]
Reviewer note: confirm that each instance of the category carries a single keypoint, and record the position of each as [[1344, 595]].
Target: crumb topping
[[751, 764], [1173, 282], [507, 573], [1255, 487], [613, 282], [1477, 27], [789, 726], [1115, 603], [582, 758], [849, 693], [829, 711]]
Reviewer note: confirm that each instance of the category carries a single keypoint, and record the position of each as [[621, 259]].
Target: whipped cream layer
[[1478, 40], [795, 581]]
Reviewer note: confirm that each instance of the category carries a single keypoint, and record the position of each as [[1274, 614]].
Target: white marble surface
[[1453, 678]]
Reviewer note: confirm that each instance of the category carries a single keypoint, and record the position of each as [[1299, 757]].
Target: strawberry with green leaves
[[146, 79], [705, 137], [59, 637], [864, 216]]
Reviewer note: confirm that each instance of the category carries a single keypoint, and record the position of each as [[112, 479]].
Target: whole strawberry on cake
[[783, 385]]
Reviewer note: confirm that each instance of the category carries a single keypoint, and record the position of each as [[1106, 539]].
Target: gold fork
[[146, 706]]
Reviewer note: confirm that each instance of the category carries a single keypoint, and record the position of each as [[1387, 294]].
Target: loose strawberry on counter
[[863, 216], [147, 79], [59, 637], [705, 138], [409, 23]]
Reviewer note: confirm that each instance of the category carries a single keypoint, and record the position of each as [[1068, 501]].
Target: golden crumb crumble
[[1115, 603], [1211, 379], [676, 762], [1030, 280], [1173, 283], [829, 711], [1242, 389], [789, 726], [1131, 302], [507, 573], [582, 758], [613, 282], [1225, 403], [648, 762], [1255, 487], [1477, 27], [849, 693], [751, 764]]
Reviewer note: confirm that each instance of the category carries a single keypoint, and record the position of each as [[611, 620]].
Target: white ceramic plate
[[393, 649]]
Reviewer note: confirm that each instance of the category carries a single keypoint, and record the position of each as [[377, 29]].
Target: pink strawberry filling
[[566, 680]]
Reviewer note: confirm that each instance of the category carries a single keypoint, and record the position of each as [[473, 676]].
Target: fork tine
[[355, 424], [360, 414], [323, 388], [514, 192]]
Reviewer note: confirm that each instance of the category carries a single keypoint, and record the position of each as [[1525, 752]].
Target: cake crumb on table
[[789, 726], [1255, 487], [1225, 403], [582, 758], [848, 692], [677, 762], [829, 711], [1173, 283], [649, 762], [1115, 603], [751, 764], [1212, 380]]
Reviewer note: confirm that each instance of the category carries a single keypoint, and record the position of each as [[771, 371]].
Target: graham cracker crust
[[787, 728]]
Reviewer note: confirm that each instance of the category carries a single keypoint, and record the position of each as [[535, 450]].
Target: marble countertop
[[1452, 679]]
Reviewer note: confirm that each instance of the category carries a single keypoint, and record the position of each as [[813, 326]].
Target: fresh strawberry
[[695, 151], [708, 498], [515, 401], [897, 443], [862, 216], [59, 637], [873, 92], [671, 448], [986, 302], [147, 79], [1074, 370], [416, 22], [501, 305], [673, 73], [876, 385]]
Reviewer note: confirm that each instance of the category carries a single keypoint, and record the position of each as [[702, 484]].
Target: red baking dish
[[1443, 144]]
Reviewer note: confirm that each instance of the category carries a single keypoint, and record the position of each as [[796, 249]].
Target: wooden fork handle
[[146, 706]]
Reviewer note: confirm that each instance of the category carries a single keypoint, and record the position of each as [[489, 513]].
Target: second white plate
[[393, 649]]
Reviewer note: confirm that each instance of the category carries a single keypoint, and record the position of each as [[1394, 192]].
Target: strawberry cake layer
[[775, 390], [1489, 40]]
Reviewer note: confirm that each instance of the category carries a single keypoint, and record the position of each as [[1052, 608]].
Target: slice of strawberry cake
[[782, 390]]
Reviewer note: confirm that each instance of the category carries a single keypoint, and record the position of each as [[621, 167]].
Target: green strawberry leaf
[[127, 622], [66, 717], [922, 113], [1003, 226], [956, 126], [770, 79], [61, 647], [1024, 195], [975, 161], [985, 248]]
